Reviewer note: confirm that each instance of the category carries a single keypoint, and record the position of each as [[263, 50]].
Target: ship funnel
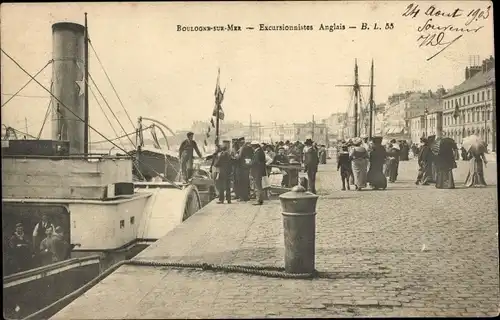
[[68, 85]]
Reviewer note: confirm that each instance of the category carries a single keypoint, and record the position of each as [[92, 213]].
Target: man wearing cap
[[186, 156], [311, 161], [245, 162], [258, 170]]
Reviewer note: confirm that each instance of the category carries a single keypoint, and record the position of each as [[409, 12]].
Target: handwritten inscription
[[442, 27]]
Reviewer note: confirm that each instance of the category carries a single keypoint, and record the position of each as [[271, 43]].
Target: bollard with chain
[[299, 223]]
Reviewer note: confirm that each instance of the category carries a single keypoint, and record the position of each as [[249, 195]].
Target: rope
[[14, 95], [112, 86], [78, 117], [44, 120], [107, 104], [123, 136]]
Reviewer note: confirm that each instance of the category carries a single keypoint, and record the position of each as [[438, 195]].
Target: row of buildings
[[469, 108]]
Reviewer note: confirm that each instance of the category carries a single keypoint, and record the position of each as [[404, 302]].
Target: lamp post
[[426, 113]]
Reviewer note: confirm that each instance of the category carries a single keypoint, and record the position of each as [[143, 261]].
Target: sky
[[281, 76]]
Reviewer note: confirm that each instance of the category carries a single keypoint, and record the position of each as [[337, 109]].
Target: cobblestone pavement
[[407, 251]]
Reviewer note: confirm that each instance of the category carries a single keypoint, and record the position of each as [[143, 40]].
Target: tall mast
[[251, 129], [356, 97], [86, 97], [312, 133], [371, 105]]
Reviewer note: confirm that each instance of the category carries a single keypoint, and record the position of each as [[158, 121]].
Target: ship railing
[[93, 156], [12, 279]]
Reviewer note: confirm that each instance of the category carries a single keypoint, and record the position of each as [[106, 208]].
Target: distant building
[[295, 132], [335, 124], [470, 107]]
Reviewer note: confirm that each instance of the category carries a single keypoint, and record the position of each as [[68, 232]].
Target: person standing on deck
[[186, 156], [376, 177], [20, 251], [258, 171], [223, 162], [425, 163], [245, 161], [359, 158], [311, 161]]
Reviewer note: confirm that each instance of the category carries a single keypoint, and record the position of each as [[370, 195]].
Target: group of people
[[45, 246], [242, 162], [361, 162], [437, 167]]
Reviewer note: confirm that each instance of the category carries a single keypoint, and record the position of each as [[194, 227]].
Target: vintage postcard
[[249, 159]]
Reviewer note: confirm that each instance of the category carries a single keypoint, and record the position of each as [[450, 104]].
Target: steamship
[[107, 208]]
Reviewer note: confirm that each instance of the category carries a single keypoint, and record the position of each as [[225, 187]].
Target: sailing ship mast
[[86, 98], [371, 105], [356, 97]]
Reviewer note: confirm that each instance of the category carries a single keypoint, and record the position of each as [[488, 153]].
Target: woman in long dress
[[445, 163], [359, 157], [376, 176], [475, 177], [425, 163]]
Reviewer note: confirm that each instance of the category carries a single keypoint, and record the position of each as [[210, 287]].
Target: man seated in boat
[[20, 254], [52, 248], [186, 156], [39, 231], [282, 159]]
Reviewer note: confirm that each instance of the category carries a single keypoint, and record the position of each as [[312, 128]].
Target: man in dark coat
[[224, 164], [186, 156], [344, 165], [245, 160], [236, 168], [425, 159], [258, 171], [311, 161]]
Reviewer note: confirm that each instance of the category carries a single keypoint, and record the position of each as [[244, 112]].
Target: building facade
[[470, 108], [295, 132]]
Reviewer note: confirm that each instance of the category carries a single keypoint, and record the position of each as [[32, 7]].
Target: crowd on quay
[[44, 246], [238, 164], [242, 166], [362, 162]]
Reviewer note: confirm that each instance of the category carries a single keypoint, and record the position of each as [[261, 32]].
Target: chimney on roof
[[490, 63], [472, 71]]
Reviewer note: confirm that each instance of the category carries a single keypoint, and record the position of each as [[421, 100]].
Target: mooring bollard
[[299, 223]]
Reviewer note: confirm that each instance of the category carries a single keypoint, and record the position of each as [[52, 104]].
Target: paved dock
[[407, 251]]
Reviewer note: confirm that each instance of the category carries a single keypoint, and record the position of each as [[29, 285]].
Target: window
[[488, 94], [132, 220], [478, 97], [122, 224], [468, 99], [483, 95], [473, 96]]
